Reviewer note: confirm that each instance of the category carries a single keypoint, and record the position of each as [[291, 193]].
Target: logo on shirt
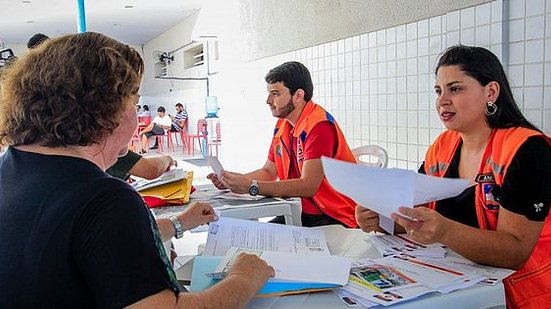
[[278, 150], [300, 152], [538, 207], [491, 201]]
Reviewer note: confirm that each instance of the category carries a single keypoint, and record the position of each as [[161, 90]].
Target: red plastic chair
[[201, 133], [216, 141], [143, 122]]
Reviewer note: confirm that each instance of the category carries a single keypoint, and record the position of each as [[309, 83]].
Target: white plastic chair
[[376, 155]]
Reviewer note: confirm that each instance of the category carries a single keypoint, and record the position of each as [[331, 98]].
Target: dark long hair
[[482, 65]]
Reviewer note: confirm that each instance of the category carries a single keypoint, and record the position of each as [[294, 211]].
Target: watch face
[[253, 190]]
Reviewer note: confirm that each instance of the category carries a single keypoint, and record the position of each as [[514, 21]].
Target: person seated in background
[[502, 219], [138, 109], [179, 120], [77, 237], [145, 112], [158, 126], [36, 40], [303, 134]]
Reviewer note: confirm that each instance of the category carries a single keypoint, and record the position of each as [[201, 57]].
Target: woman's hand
[[425, 226], [196, 214], [367, 219], [252, 270]]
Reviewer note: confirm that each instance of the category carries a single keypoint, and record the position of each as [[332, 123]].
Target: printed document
[[229, 232], [289, 267], [215, 164], [385, 190]]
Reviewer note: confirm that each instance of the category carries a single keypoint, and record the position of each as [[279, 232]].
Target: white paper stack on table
[[299, 255], [385, 190]]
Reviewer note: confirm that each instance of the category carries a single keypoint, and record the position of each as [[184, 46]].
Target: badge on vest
[[278, 150], [491, 201], [483, 178]]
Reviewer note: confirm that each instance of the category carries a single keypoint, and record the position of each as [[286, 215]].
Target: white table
[[353, 243], [289, 208]]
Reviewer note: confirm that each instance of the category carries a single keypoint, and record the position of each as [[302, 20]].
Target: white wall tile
[[467, 18], [482, 36], [496, 33], [497, 14], [516, 53], [547, 98], [547, 121], [483, 14], [516, 9], [355, 43], [381, 37], [467, 36], [534, 116], [391, 35], [411, 31], [364, 41], [411, 84], [534, 51], [534, 75], [547, 73], [516, 75], [548, 6], [372, 39], [423, 46], [535, 7], [535, 27], [452, 38], [435, 25], [423, 28], [533, 97], [401, 33], [401, 50], [412, 48], [452, 20], [391, 52], [516, 30], [435, 44]]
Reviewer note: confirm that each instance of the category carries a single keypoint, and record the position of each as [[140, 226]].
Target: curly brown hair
[[68, 91]]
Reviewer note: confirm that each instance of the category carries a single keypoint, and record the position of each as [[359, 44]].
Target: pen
[[216, 275]]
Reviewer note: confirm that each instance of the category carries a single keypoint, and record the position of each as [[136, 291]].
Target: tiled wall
[[379, 85]]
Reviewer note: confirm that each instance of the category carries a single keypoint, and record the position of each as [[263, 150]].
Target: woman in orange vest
[[501, 220]]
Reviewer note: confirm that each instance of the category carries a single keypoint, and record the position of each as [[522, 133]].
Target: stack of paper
[[398, 278], [398, 244], [299, 256]]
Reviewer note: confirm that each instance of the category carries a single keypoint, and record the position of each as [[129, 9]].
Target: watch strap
[[177, 226]]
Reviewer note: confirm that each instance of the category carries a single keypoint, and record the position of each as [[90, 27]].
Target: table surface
[[354, 243]]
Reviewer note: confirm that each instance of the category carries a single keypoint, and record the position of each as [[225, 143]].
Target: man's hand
[[367, 219], [236, 182], [251, 269], [216, 181], [196, 214]]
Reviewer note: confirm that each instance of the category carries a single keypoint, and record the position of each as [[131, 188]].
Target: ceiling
[[134, 22]]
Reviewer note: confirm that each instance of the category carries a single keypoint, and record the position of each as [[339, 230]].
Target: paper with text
[[385, 190], [290, 267], [215, 164], [229, 232]]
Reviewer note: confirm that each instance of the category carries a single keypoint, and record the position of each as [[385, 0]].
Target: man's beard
[[287, 109]]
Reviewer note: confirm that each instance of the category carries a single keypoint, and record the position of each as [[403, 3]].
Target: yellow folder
[[173, 192]]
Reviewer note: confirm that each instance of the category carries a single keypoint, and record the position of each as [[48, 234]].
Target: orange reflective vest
[[327, 199], [530, 286]]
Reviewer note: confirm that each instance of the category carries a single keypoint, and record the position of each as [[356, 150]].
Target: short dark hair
[[146, 108], [36, 40], [294, 76], [482, 65], [161, 109], [179, 105], [71, 90]]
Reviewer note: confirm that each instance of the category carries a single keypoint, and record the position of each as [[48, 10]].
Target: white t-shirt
[[163, 121]]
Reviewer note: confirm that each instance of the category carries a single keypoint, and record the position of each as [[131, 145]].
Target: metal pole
[[81, 22]]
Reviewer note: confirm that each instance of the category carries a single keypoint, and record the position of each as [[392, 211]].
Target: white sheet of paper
[[385, 190], [290, 267], [229, 232], [215, 164]]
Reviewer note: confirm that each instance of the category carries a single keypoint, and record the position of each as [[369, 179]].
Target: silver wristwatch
[[177, 226], [253, 188]]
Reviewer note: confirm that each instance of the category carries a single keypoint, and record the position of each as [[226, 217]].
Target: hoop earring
[[491, 108]]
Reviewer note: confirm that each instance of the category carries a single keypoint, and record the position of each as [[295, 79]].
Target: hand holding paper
[[385, 190]]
